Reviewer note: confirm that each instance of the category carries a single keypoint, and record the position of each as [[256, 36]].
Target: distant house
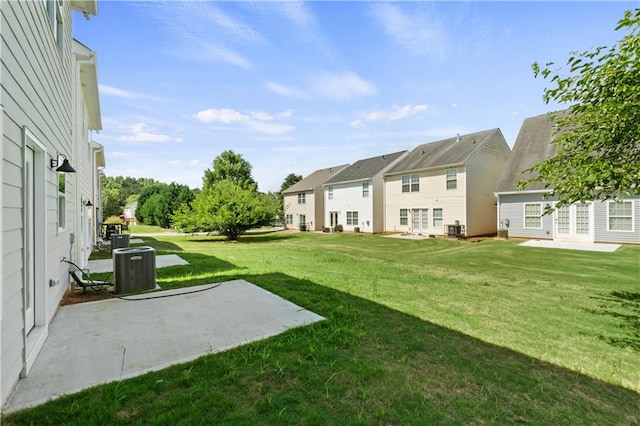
[[354, 197], [304, 202], [446, 187], [520, 213], [48, 96], [130, 213]]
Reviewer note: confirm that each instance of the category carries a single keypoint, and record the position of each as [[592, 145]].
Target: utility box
[[119, 241], [134, 269]]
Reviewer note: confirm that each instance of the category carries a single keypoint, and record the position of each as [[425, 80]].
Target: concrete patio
[[100, 342]]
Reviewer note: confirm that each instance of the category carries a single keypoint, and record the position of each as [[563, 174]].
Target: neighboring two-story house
[[446, 187], [354, 197], [48, 102], [521, 213], [304, 200]]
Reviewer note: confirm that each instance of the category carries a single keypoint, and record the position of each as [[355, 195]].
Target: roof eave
[[425, 169], [86, 7]]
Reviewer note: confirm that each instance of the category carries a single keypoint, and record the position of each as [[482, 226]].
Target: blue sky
[[298, 86]]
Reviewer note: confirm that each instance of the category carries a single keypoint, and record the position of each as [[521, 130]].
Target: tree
[[157, 202], [225, 207], [230, 166], [289, 181], [598, 138]]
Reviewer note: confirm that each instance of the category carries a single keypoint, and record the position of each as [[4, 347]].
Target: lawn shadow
[[248, 238], [201, 269], [448, 370], [364, 364], [624, 307]]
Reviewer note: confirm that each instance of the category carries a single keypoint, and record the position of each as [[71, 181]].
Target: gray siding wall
[[36, 95], [603, 235], [512, 207]]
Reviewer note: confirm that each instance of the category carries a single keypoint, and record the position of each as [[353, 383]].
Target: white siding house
[[304, 200], [520, 213], [354, 197], [446, 187], [39, 205]]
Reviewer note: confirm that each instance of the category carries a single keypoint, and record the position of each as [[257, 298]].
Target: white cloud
[[141, 132], [342, 87], [396, 113], [285, 114], [114, 91], [270, 128], [289, 92], [358, 124], [261, 116], [194, 162], [223, 115], [259, 121], [415, 32], [122, 93]]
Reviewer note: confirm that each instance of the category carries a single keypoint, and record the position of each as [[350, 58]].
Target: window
[[62, 201], [289, 219], [365, 190], [54, 10], [437, 218], [330, 193], [352, 218], [533, 215], [620, 216], [452, 179], [302, 198], [303, 219], [404, 217], [411, 183]]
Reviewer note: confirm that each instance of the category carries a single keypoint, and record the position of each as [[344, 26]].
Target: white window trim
[[524, 216], [434, 218], [406, 217], [330, 193], [302, 198], [632, 217], [447, 180], [365, 189]]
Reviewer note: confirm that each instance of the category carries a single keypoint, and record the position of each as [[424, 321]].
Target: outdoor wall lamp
[[61, 164], [87, 203]]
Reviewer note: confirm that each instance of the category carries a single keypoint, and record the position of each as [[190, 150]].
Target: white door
[[30, 284], [420, 221], [574, 222]]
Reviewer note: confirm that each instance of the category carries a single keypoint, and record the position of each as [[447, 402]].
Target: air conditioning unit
[[119, 241], [134, 269]]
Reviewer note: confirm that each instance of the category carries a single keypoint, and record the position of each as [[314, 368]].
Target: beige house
[[304, 201], [48, 102], [446, 187]]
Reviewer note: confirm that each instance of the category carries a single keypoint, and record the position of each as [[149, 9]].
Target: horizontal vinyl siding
[[347, 197], [512, 207], [603, 235], [292, 207], [433, 194], [36, 95]]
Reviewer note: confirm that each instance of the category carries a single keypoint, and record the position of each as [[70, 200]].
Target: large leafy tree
[[225, 207], [598, 138], [230, 166], [118, 190], [157, 202]]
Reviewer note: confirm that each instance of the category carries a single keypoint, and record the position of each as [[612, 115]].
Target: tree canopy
[[224, 207], [598, 139], [230, 166], [289, 181], [157, 202], [118, 190]]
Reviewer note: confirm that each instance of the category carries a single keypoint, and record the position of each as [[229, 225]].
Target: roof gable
[[366, 169], [533, 144], [314, 180], [455, 150]]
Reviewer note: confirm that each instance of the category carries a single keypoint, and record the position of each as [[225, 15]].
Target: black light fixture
[[63, 166], [88, 203]]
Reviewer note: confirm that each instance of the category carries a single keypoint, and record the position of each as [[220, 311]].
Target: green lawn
[[417, 332]]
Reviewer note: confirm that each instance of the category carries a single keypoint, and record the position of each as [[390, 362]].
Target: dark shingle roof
[[314, 180], [445, 152], [533, 144], [365, 169]]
